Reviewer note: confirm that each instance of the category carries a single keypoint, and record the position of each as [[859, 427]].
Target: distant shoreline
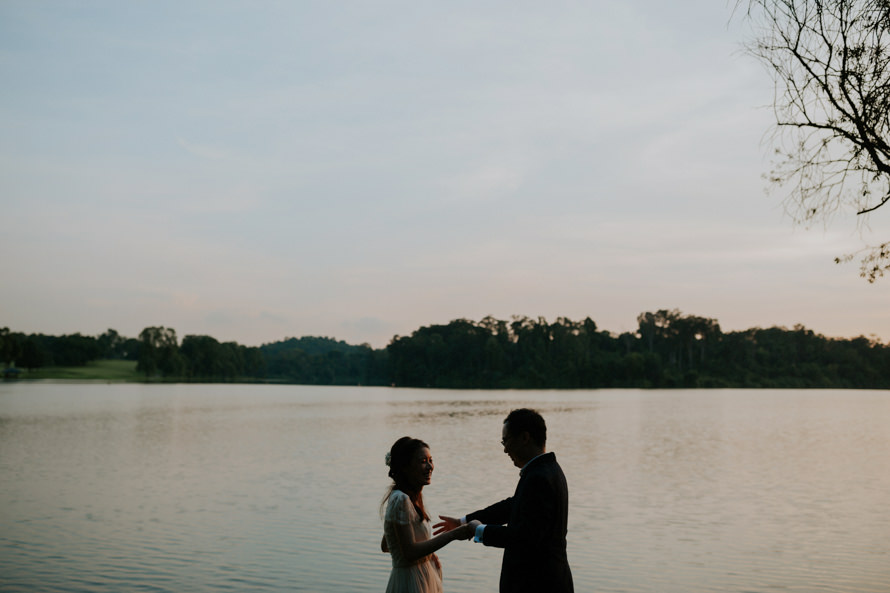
[[668, 351], [124, 372]]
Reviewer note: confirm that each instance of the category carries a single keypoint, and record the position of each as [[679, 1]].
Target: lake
[[175, 488]]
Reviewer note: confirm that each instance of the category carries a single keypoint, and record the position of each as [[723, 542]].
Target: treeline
[[667, 350], [36, 351], [159, 354]]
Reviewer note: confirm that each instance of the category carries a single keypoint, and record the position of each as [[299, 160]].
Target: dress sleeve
[[398, 508]]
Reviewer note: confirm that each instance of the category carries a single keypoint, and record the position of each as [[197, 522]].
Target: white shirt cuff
[[478, 537]]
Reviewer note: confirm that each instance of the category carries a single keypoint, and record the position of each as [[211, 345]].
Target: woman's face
[[420, 470]]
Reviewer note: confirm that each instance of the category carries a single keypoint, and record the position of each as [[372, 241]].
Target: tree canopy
[[830, 62], [668, 349]]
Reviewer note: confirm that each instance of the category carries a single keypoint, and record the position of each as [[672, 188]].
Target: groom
[[531, 525]]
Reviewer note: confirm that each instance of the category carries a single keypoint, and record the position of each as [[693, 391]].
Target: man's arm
[[534, 517], [496, 514]]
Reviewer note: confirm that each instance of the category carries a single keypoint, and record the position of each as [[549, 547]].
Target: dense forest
[[668, 350]]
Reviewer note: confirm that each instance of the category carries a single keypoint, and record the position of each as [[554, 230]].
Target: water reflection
[[277, 488]]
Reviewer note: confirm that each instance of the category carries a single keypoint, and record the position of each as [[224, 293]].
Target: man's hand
[[446, 524]]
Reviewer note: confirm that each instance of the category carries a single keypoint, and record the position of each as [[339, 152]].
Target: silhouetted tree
[[10, 346], [159, 353], [830, 60], [34, 355]]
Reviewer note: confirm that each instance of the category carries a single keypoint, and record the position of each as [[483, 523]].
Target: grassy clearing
[[116, 371], [97, 370]]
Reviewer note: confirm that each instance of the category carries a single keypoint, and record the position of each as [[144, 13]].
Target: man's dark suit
[[531, 527]]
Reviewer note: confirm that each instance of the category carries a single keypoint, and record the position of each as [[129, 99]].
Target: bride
[[406, 524]]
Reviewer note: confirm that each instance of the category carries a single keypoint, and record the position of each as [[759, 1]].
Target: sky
[[261, 170]]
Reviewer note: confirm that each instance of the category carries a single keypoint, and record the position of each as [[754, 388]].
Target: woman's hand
[[446, 524]]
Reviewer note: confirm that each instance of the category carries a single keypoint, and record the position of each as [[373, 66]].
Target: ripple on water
[[267, 488]]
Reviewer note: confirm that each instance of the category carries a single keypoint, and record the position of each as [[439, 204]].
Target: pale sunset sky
[[260, 170]]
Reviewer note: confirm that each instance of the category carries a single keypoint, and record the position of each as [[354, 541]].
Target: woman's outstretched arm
[[414, 550]]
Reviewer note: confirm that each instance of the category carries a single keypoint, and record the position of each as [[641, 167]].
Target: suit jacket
[[531, 528]]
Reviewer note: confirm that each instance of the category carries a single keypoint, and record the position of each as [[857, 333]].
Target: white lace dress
[[419, 576]]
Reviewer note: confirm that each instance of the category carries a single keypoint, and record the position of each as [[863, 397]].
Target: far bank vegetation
[[668, 350]]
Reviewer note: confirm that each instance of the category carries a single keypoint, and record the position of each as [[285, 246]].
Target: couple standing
[[530, 526]]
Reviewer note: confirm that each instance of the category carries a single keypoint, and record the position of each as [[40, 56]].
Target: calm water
[[277, 488]]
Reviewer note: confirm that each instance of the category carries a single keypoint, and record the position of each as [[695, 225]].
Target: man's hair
[[526, 420]]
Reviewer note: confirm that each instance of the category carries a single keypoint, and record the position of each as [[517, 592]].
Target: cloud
[[204, 151], [361, 173], [484, 183]]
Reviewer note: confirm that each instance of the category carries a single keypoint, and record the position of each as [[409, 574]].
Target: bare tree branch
[[830, 61]]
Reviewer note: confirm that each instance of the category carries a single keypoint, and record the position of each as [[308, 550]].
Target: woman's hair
[[400, 455]]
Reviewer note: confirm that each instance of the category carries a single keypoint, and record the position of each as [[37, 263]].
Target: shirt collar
[[522, 471]]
